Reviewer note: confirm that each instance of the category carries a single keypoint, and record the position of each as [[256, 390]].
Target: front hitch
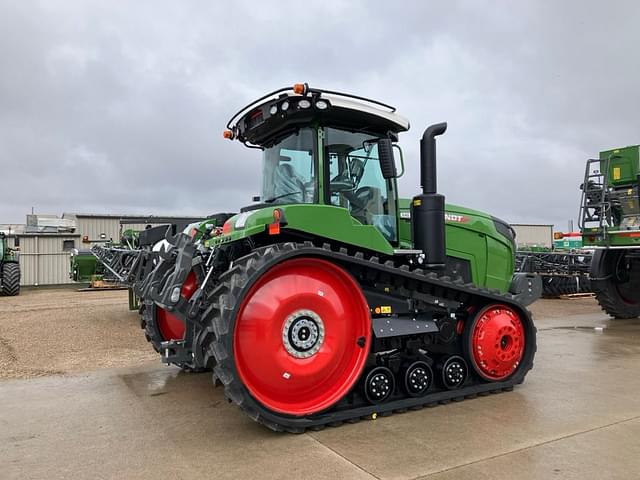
[[164, 283]]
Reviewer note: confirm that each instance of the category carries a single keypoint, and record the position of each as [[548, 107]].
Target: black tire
[[585, 285], [10, 279], [569, 286], [154, 337], [615, 280], [550, 286]]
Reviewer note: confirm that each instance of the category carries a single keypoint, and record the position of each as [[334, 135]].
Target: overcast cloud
[[118, 107]]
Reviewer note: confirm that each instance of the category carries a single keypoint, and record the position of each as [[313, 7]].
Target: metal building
[[533, 235], [44, 257], [100, 228], [46, 241]]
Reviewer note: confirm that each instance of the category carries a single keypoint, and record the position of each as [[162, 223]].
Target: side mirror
[[387, 162], [255, 198]]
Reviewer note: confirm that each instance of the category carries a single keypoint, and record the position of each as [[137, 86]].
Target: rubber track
[[10, 279], [225, 299]]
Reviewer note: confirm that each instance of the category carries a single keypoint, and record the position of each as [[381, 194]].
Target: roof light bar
[[302, 89]]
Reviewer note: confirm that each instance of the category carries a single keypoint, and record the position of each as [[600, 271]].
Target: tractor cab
[[328, 148]]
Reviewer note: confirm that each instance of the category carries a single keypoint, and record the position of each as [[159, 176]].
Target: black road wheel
[[10, 279], [417, 378], [453, 372], [379, 384], [615, 280]]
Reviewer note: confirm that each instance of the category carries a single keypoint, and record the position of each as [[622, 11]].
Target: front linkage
[[170, 278], [175, 279]]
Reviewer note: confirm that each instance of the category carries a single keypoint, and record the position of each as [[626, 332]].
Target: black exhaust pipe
[[427, 209]]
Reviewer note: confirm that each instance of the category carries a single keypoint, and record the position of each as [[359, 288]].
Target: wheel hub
[[303, 333]]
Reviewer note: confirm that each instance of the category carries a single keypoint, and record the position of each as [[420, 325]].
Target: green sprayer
[[610, 224]]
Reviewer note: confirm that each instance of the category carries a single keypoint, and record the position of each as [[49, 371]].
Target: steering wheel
[[341, 183]]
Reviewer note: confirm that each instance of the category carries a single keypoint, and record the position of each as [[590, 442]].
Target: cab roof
[[277, 114]]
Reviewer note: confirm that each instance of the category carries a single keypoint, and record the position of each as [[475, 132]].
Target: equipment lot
[[106, 408]]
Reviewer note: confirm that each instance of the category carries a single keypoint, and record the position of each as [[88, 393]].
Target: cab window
[[356, 182]]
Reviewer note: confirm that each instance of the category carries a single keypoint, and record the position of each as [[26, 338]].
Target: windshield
[[356, 181], [289, 170]]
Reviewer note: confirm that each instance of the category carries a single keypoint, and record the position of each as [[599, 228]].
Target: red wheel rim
[[170, 327], [263, 356], [497, 342]]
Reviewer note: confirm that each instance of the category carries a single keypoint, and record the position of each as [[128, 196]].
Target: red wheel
[[496, 342], [301, 336], [170, 327]]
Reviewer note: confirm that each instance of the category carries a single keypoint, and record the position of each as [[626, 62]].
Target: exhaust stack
[[427, 209]]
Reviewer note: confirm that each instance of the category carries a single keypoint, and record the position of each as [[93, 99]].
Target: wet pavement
[[576, 416]]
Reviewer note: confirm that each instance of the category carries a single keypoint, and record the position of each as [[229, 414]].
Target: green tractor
[[610, 224], [332, 298], [9, 269]]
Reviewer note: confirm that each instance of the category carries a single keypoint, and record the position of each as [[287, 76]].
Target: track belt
[[224, 302]]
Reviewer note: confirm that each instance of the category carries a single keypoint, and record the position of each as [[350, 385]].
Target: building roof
[[137, 218], [531, 224]]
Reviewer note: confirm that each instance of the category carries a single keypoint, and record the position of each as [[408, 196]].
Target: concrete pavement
[[576, 416]]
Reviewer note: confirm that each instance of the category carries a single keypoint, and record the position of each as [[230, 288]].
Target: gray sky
[[119, 106]]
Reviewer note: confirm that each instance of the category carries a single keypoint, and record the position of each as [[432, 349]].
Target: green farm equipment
[[83, 266], [610, 224], [9, 269], [332, 299]]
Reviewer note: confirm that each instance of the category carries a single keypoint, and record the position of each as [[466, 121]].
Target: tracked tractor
[[332, 298], [9, 269], [610, 224]]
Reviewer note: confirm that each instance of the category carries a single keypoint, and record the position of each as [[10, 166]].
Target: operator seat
[[287, 184], [366, 202]]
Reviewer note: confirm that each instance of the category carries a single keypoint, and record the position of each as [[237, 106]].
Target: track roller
[[454, 372], [417, 378], [378, 385]]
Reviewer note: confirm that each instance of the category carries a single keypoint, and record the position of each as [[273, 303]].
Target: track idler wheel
[[495, 341], [417, 378], [378, 385], [453, 372]]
